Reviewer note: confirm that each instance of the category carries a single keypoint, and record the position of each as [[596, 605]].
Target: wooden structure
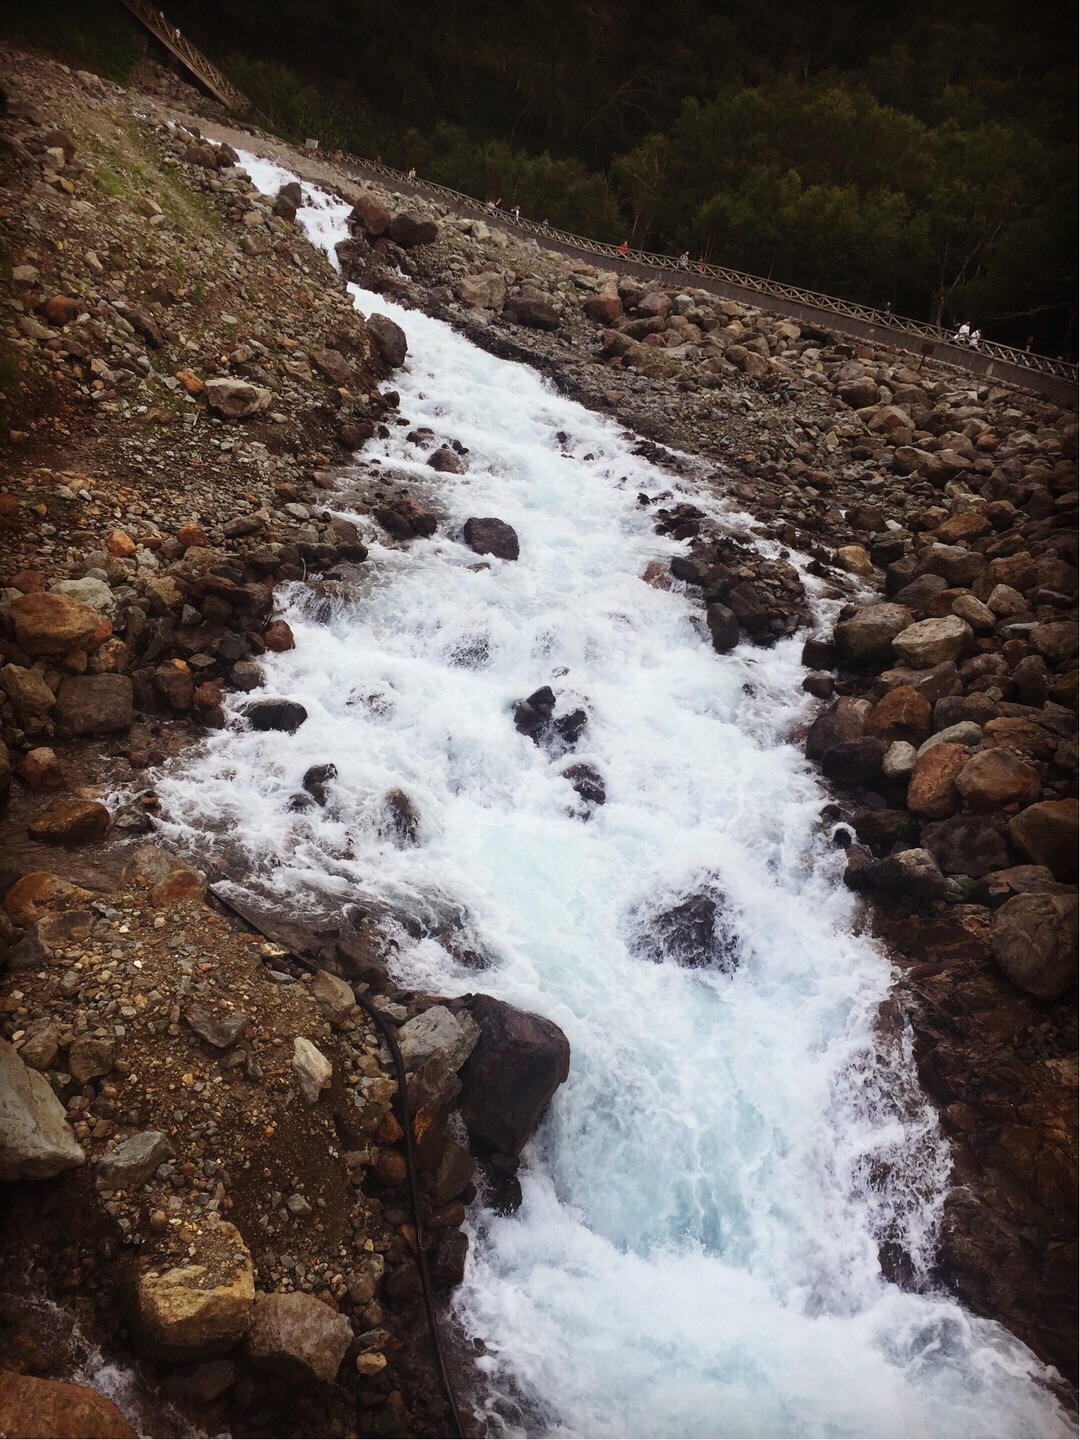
[[194, 61]]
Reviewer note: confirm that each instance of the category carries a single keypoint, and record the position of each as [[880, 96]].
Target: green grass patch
[[110, 182]]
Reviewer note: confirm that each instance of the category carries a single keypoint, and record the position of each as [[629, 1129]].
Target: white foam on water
[[697, 1251]]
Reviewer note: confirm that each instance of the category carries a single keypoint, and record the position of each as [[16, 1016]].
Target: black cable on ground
[[389, 1034]]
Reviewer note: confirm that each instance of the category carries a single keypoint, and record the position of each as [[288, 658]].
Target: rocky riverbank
[[186, 377]]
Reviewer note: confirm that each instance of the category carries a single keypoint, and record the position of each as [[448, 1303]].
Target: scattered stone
[[71, 822], [132, 1162], [298, 1337], [313, 1069]]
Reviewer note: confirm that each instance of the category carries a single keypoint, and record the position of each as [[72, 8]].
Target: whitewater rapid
[[697, 1249]]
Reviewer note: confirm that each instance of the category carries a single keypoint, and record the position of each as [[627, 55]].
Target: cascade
[[697, 1252]]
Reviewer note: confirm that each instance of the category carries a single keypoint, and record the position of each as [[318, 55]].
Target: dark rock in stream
[[287, 715], [316, 778], [692, 933], [489, 536], [519, 1062]]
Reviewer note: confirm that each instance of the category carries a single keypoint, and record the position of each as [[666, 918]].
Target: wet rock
[[36, 1141], [911, 873], [286, 715], [370, 216], [36, 893], [519, 1061], [316, 779], [279, 637], [313, 1070], [28, 692], [34, 1407], [218, 1028], [390, 341], [94, 704], [992, 779], [236, 399], [438, 1031], [71, 822], [723, 626], [204, 1307], [853, 762], [1034, 943], [360, 957], [48, 624], [901, 714], [447, 461], [1047, 833], [404, 818], [406, 518], [844, 720], [490, 536], [533, 715], [133, 1161], [40, 769], [692, 934], [298, 1337], [587, 782]]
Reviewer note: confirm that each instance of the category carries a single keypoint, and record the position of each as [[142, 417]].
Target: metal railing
[[771, 289], [194, 60]]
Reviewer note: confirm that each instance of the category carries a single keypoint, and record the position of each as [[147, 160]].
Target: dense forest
[[921, 155]]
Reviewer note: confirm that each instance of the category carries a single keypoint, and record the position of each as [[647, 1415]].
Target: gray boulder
[[1034, 942], [298, 1337], [236, 399], [35, 1139]]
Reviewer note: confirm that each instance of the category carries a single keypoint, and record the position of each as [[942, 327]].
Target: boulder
[[90, 1057], [334, 997], [486, 291], [859, 392], [132, 1162], [219, 1028], [932, 789], [490, 536], [36, 1142], [854, 762], [236, 399], [529, 310], [932, 642], [298, 1337], [901, 714], [370, 216], [286, 715], [1047, 834], [1033, 939], [846, 719], [912, 873], [409, 231], [94, 704], [35, 1408], [49, 624], [1056, 641], [390, 342], [518, 1063], [36, 893], [71, 822], [868, 634], [967, 845], [40, 769], [95, 594], [28, 693], [438, 1031], [723, 627], [166, 877], [992, 779], [203, 1308], [605, 308]]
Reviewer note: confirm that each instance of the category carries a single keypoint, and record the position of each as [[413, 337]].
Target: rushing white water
[[697, 1251]]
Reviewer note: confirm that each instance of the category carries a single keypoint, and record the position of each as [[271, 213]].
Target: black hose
[[389, 1034]]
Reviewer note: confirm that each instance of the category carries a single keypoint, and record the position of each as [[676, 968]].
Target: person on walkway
[[684, 260], [544, 226], [974, 338], [699, 265], [412, 173], [515, 211], [624, 249], [962, 334]]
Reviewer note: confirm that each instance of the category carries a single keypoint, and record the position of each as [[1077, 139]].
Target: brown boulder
[[868, 633], [167, 878], [36, 1408], [531, 311], [298, 1337], [845, 719], [94, 704], [1023, 736], [901, 714], [994, 778], [1047, 834], [489, 536], [370, 216], [51, 624], [519, 1062], [408, 231], [40, 891], [932, 789], [71, 822], [967, 845], [279, 636], [1034, 942], [390, 341], [604, 308], [1056, 641], [201, 1308], [40, 769]]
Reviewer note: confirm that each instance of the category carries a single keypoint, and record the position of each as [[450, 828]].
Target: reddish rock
[[530, 311], [370, 216], [279, 636], [1034, 942], [901, 714], [1023, 736], [932, 789], [120, 544], [390, 1168], [208, 694], [36, 1408], [1047, 834], [968, 525], [992, 779], [61, 309], [48, 624], [193, 536], [40, 891], [604, 308], [191, 383], [30, 582], [167, 878], [40, 769], [1056, 641], [71, 822]]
